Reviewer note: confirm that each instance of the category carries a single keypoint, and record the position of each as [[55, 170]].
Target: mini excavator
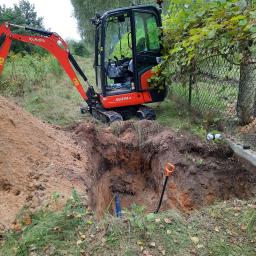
[[127, 48]]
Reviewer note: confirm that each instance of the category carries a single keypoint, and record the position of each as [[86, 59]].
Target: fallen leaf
[[217, 229], [168, 232], [140, 243], [157, 220], [78, 242], [167, 221], [27, 220], [83, 237], [152, 244], [194, 239], [17, 227], [199, 246], [243, 227]]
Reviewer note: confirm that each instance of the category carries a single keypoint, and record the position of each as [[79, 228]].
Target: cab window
[[147, 32]]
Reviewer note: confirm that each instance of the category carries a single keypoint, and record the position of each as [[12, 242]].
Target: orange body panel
[[144, 79], [128, 99]]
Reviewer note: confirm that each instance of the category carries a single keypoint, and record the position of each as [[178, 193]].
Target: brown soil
[[37, 159], [132, 162]]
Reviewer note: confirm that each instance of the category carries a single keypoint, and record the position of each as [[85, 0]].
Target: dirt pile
[[129, 159], [35, 161]]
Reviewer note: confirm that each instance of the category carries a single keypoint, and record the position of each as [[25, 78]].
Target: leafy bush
[[195, 30], [78, 48], [26, 73]]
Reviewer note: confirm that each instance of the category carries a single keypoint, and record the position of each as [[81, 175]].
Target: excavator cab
[[127, 47]]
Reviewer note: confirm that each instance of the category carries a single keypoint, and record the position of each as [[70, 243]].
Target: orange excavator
[[127, 48]]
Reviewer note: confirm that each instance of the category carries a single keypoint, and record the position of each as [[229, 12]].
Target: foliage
[[226, 228], [194, 30], [23, 74], [78, 48], [85, 10], [22, 13], [158, 80]]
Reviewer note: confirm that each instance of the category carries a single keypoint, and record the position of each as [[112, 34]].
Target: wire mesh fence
[[210, 91]]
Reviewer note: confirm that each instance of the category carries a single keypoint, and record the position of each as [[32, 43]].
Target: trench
[[130, 162]]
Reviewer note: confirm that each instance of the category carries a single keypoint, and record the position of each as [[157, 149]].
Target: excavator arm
[[51, 42]]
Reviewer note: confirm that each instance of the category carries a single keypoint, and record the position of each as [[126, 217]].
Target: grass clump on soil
[[227, 228]]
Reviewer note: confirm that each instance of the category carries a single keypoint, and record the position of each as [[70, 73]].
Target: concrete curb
[[247, 154]]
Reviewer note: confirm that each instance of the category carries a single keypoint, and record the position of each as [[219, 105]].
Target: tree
[[22, 13], [85, 10], [198, 29], [78, 48]]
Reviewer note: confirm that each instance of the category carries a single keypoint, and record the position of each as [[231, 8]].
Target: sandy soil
[[35, 161]]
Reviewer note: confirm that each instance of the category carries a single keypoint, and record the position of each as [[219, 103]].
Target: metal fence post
[[191, 82], [190, 90]]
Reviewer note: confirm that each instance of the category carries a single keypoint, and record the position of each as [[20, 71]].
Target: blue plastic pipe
[[118, 206]]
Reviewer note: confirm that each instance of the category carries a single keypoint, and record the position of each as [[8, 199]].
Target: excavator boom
[[51, 42]]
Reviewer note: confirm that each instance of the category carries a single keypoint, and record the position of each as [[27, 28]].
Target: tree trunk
[[247, 92]]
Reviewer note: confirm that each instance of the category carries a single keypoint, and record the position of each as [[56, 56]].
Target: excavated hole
[[131, 164]]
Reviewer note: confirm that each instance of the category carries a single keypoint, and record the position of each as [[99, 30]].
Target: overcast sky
[[57, 14]]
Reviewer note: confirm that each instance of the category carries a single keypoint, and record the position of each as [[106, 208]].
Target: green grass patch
[[40, 86], [223, 229], [174, 114]]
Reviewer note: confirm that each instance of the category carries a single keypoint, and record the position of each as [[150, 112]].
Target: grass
[[40, 86], [227, 228], [176, 115], [208, 98]]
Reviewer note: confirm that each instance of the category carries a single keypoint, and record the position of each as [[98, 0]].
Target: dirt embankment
[[37, 159], [131, 161]]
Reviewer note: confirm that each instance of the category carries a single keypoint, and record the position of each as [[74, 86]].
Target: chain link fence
[[210, 90]]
